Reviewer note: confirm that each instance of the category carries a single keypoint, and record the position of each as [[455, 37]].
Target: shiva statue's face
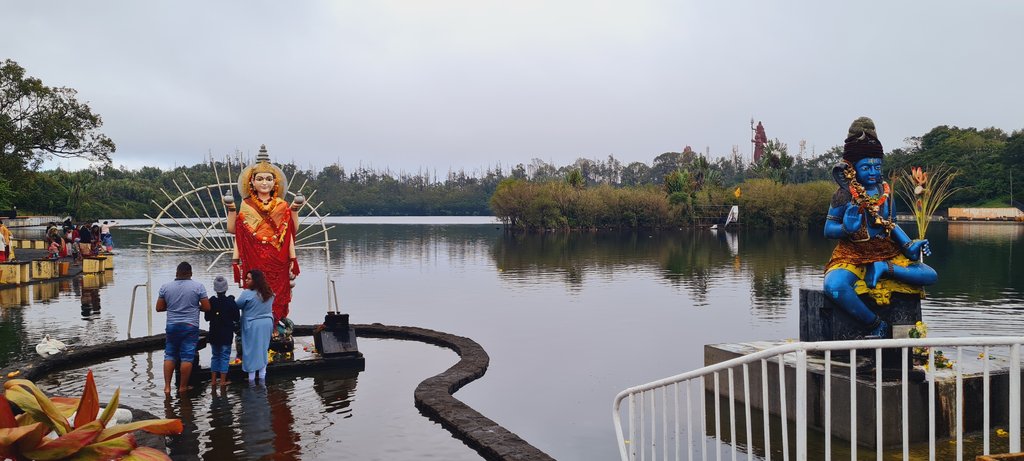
[[869, 171], [263, 183]]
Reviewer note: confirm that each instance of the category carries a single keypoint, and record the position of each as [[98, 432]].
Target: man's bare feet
[[167, 389], [183, 389]]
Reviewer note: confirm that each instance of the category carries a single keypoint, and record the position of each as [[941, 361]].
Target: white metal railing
[[674, 438]]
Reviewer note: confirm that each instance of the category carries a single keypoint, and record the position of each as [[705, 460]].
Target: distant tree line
[[38, 122], [668, 191]]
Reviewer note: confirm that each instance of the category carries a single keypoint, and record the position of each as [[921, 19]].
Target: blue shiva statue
[[875, 257]]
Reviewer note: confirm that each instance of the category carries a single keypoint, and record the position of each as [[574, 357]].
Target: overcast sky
[[444, 84]]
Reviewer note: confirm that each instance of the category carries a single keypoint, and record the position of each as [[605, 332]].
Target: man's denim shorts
[[181, 342]]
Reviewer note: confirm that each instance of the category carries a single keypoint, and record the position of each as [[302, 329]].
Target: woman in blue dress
[[257, 321]]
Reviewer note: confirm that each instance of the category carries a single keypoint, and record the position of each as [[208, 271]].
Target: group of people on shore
[[77, 241], [183, 299]]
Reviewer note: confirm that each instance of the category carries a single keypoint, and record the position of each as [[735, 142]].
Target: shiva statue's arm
[[911, 248], [843, 220]]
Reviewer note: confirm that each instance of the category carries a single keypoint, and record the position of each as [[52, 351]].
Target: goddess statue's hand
[[914, 248], [298, 202], [852, 219], [229, 201]]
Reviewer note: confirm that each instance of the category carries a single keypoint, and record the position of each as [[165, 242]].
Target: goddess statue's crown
[[262, 165]]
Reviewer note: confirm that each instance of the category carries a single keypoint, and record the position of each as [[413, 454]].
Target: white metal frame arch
[[205, 230]]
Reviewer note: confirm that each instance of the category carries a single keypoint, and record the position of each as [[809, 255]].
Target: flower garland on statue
[[864, 201]]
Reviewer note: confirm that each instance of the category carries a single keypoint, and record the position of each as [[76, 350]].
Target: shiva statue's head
[[863, 152], [869, 171]]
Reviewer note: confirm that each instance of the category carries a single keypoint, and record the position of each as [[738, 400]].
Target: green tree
[[575, 179], [38, 122], [667, 163], [5, 194], [635, 174]]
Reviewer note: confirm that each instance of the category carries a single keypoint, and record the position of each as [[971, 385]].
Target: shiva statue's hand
[[914, 248], [852, 219]]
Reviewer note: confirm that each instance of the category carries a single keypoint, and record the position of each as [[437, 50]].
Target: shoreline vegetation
[[677, 189], [526, 205], [778, 190]]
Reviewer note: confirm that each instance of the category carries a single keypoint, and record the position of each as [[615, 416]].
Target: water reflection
[[220, 435], [14, 297], [186, 447], [90, 303], [335, 392], [282, 422], [695, 260], [981, 231], [603, 298], [255, 422], [47, 291]]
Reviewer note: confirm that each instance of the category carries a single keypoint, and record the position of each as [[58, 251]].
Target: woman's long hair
[[260, 285]]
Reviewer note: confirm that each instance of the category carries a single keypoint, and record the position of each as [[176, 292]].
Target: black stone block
[[822, 320], [337, 336]]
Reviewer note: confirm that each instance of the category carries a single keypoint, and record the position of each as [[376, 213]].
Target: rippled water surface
[[569, 320]]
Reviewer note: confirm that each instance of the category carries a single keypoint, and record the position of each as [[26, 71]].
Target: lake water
[[569, 320]]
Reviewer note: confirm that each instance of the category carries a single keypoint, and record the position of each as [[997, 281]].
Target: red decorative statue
[[759, 141]]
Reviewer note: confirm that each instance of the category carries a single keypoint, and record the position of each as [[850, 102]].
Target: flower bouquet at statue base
[[281, 341]]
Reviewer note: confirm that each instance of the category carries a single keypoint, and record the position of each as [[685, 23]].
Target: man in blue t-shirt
[[182, 299]]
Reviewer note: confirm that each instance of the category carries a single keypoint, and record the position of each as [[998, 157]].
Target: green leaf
[[108, 412]]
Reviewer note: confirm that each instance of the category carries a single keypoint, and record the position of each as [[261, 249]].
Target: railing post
[[131, 310], [1015, 398], [766, 411], [828, 405], [632, 427], [878, 403], [959, 404], [905, 399], [931, 403], [985, 400], [801, 405], [853, 404]]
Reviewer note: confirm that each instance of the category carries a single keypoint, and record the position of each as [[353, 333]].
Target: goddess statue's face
[[869, 171], [263, 183]]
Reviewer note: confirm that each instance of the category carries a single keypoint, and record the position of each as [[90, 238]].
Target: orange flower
[[920, 177]]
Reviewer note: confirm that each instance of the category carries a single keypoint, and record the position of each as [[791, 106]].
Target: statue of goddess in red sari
[[264, 226]]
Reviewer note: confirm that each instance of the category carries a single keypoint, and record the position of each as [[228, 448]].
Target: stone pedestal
[[822, 320], [92, 265], [43, 269], [25, 270], [10, 274]]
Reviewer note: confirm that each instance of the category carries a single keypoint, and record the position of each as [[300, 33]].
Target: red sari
[[264, 236]]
